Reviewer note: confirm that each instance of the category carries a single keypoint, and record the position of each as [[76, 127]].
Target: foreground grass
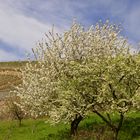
[[30, 130], [89, 129]]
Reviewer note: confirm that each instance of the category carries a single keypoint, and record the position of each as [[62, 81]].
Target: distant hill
[[10, 74], [12, 64]]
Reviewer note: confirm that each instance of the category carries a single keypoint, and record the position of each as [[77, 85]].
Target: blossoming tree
[[81, 71]]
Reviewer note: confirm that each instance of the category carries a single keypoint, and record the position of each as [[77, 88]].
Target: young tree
[[119, 88], [14, 111], [77, 72]]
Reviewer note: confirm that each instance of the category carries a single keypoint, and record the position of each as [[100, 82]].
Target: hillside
[[9, 76]]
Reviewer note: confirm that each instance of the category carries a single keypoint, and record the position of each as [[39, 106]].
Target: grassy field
[[92, 128]]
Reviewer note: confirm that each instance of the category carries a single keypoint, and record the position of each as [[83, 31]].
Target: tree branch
[[104, 119], [112, 91]]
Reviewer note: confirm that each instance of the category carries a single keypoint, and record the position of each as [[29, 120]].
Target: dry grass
[[8, 79], [10, 75]]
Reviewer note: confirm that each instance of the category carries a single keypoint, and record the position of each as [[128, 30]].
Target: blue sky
[[24, 22]]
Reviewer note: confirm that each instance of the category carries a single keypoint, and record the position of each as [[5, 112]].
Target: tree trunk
[[19, 122], [119, 126], [116, 129], [74, 125]]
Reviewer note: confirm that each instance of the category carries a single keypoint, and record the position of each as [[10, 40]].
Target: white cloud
[[19, 30]]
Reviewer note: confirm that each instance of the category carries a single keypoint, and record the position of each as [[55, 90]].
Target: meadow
[[91, 128]]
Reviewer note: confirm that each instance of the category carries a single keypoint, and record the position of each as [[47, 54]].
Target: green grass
[[30, 130], [91, 128]]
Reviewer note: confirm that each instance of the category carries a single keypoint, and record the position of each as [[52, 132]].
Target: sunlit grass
[[91, 128]]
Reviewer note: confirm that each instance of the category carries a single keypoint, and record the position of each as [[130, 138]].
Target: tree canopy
[[81, 71]]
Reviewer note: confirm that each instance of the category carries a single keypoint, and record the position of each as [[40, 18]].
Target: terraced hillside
[[9, 76]]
